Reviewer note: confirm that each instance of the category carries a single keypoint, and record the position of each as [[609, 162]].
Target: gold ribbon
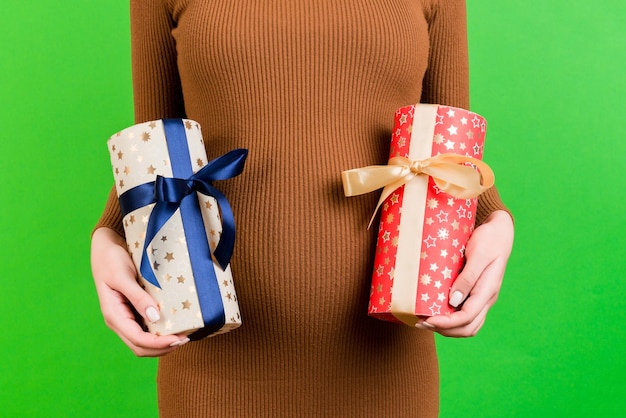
[[448, 171]]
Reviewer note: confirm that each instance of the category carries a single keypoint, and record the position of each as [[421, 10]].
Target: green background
[[548, 76]]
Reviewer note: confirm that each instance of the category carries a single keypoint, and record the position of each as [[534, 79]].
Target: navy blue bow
[[168, 194]]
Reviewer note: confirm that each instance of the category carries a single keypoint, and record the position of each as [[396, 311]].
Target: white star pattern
[[447, 273], [442, 217], [435, 309], [430, 242], [446, 224]]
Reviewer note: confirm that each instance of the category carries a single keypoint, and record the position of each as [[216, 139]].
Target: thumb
[[141, 300], [466, 280], [113, 268]]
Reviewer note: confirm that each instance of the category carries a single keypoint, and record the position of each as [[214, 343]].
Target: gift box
[[427, 209], [179, 228]]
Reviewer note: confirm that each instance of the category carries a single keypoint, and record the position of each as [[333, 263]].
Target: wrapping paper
[[427, 209], [178, 266]]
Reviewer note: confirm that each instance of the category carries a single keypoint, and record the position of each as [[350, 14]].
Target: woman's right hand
[[115, 277]]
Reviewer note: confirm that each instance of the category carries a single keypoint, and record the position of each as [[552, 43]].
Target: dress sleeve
[[446, 81], [156, 84]]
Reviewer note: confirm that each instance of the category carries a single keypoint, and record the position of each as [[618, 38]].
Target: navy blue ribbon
[[180, 192]]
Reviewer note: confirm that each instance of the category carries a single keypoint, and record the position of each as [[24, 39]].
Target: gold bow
[[449, 172]]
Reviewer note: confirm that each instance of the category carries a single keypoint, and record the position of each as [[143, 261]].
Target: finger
[[143, 351], [122, 300], [124, 280], [145, 344], [483, 296], [465, 330], [121, 319], [476, 265]]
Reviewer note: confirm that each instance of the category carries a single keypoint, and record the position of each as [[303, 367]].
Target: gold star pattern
[[131, 163], [445, 255]]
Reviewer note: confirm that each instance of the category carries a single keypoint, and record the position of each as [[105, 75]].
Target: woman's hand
[[115, 278], [478, 285]]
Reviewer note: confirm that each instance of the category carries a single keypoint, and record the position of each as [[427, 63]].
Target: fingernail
[[152, 314], [456, 298], [424, 325], [179, 342]]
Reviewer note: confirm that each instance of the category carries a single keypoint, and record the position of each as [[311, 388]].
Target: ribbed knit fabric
[[310, 88]]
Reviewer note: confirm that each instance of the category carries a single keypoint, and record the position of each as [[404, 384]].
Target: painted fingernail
[[456, 298], [179, 342], [424, 325], [152, 314]]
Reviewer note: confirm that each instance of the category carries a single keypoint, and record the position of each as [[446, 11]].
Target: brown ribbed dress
[[310, 88]]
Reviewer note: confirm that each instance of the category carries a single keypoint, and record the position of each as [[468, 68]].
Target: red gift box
[[427, 207]]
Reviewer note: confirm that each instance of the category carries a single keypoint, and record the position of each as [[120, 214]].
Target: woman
[[310, 88]]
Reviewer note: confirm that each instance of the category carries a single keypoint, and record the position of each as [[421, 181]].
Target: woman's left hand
[[478, 285]]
